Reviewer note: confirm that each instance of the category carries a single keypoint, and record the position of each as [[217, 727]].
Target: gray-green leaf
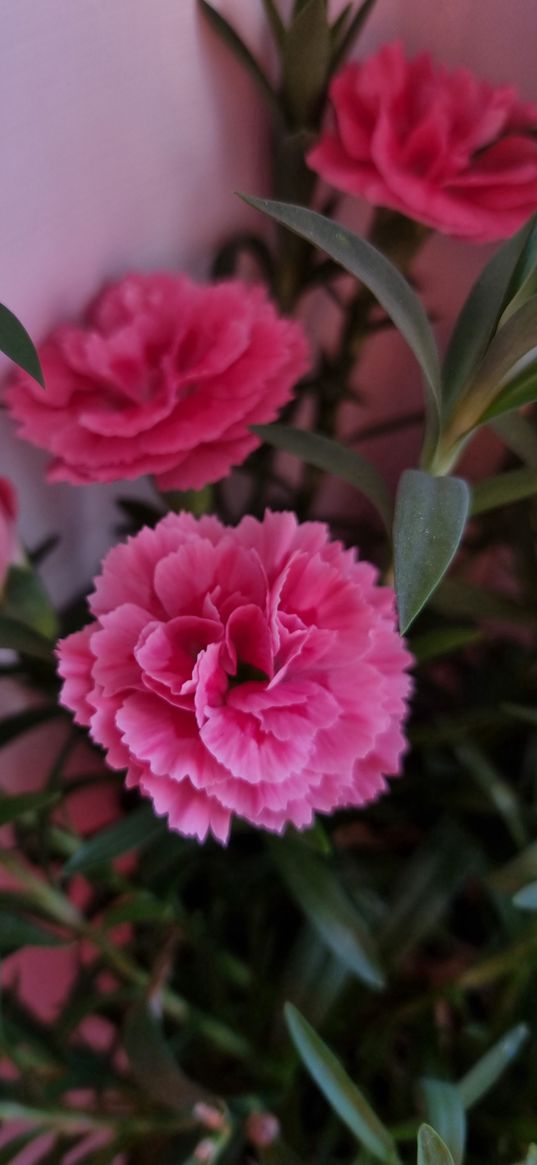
[[135, 831], [445, 1111], [372, 268], [431, 1148], [16, 343], [306, 58], [343, 1096], [430, 516], [334, 458], [484, 1075]]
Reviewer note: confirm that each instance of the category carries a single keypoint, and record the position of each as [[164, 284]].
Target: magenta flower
[[8, 528], [254, 670], [444, 148], [165, 378]]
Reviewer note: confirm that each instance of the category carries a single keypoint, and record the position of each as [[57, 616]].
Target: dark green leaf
[[524, 281], [427, 886], [21, 722], [154, 1065], [430, 517], [306, 57], [350, 34], [445, 1111], [431, 1148], [140, 907], [372, 268], [135, 831], [16, 636], [480, 314], [526, 898], [330, 912], [11, 808], [342, 1095], [488, 394], [520, 391], [16, 343], [495, 789], [435, 644], [334, 458], [518, 434], [240, 51], [275, 21], [17, 932], [503, 490], [485, 1074], [26, 600]]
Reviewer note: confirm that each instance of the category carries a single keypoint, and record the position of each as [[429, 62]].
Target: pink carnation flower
[[8, 528], [254, 670], [165, 378], [444, 148]]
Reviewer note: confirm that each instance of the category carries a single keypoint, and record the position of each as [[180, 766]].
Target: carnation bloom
[[8, 529], [254, 670], [164, 378], [444, 148]]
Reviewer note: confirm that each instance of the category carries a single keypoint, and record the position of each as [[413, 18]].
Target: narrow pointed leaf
[[445, 1112], [492, 383], [334, 458], [479, 317], [154, 1065], [306, 58], [342, 1095], [444, 641], [485, 1074], [345, 42], [517, 392], [503, 490], [526, 898], [16, 636], [276, 23], [17, 932], [16, 343], [11, 808], [430, 516], [331, 912], [371, 267], [432, 1150], [241, 51], [135, 831], [524, 281], [518, 434]]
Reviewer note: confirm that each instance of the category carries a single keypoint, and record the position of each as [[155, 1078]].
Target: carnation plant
[[284, 852]]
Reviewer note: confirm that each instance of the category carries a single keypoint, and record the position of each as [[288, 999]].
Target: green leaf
[[21, 722], [135, 831], [11, 808], [140, 907], [371, 267], [485, 1074], [344, 43], [241, 52], [17, 932], [342, 1095], [443, 641], [495, 789], [334, 458], [503, 490], [526, 898], [306, 57], [26, 600], [524, 281], [430, 516], [445, 1111], [518, 434], [479, 317], [16, 343], [497, 387], [154, 1065], [426, 888], [330, 912], [276, 23], [16, 636], [431, 1148]]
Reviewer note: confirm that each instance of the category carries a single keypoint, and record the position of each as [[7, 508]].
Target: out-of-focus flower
[[254, 670], [165, 378], [8, 528], [444, 148], [262, 1129]]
